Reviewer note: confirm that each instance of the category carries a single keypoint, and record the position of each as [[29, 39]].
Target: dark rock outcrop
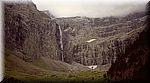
[[133, 65]]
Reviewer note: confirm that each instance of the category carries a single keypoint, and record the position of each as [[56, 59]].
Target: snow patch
[[91, 40], [92, 66], [73, 30], [67, 29]]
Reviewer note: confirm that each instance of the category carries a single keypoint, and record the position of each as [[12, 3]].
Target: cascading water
[[61, 44]]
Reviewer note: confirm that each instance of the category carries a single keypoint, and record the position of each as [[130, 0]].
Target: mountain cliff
[[97, 41], [30, 33]]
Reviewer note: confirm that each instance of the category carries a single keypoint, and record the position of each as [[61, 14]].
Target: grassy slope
[[47, 70], [50, 64]]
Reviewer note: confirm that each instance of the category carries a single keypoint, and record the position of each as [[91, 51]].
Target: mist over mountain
[[91, 8]]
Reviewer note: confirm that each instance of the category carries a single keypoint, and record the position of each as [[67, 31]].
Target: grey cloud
[[95, 9]]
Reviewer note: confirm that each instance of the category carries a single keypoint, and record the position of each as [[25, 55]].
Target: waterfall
[[61, 43]]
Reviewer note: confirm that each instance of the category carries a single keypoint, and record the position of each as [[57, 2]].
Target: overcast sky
[[90, 8]]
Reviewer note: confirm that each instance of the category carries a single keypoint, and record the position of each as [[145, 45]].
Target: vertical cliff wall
[[30, 33], [97, 41]]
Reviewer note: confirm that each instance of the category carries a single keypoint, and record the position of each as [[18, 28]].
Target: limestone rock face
[[29, 32], [97, 41]]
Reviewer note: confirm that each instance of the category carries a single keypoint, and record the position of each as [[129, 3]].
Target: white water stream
[[61, 43]]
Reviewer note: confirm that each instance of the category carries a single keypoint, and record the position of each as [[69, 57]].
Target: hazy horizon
[[90, 8]]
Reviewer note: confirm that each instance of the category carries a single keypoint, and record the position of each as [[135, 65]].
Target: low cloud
[[91, 8]]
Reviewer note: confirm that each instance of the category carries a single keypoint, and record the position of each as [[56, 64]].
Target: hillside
[[46, 70]]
